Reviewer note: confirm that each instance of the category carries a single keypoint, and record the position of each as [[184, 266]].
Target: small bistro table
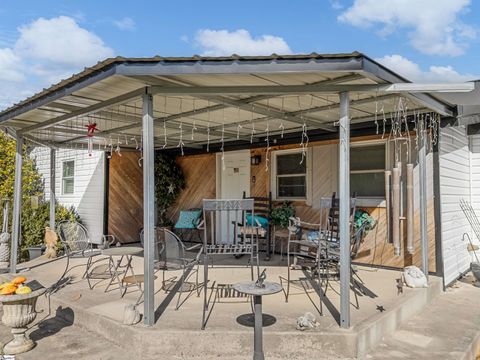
[[124, 252], [250, 288]]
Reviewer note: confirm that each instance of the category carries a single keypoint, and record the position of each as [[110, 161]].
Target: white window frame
[[68, 177], [360, 144], [308, 177]]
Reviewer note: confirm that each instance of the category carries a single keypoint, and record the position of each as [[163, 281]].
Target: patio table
[[250, 288], [124, 252]]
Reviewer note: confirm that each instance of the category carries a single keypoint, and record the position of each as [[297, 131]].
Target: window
[[290, 175], [68, 173], [367, 170]]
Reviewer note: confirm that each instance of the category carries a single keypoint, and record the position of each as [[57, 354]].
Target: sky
[[42, 42]]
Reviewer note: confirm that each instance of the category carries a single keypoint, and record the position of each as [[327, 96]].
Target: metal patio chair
[[303, 251], [77, 243], [176, 256], [223, 235]]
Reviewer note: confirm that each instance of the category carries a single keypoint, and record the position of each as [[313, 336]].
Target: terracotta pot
[[18, 313]]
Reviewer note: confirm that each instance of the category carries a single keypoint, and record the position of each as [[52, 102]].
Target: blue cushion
[[188, 219], [258, 220], [313, 236]]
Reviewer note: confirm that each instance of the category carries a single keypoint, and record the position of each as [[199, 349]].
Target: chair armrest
[[196, 246], [107, 240], [200, 224]]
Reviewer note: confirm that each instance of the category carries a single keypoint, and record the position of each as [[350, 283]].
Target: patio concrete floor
[[177, 334]]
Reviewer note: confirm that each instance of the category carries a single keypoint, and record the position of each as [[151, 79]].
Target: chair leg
[[182, 281], [205, 289], [197, 285]]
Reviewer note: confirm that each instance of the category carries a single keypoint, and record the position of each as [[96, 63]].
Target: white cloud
[[224, 42], [44, 52], [125, 24], [10, 68], [413, 72], [435, 25], [61, 41], [336, 4]]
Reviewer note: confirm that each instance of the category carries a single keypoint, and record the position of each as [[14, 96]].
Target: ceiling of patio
[[59, 115]]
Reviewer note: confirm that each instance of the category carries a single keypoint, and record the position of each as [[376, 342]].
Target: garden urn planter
[[475, 267], [18, 313]]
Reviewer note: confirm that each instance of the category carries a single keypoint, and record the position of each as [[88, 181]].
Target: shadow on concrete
[[64, 317]]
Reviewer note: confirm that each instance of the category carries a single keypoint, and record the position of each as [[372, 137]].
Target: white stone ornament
[[414, 277]]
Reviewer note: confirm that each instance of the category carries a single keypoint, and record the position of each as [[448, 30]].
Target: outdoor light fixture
[[255, 159]]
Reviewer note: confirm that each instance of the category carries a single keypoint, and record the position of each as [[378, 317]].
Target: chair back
[[159, 243], [174, 251], [74, 236], [262, 205], [224, 220]]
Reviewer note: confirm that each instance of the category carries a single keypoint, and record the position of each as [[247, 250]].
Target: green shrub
[[35, 220], [281, 214]]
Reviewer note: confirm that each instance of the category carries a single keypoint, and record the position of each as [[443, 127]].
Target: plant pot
[[18, 313], [475, 268], [35, 252]]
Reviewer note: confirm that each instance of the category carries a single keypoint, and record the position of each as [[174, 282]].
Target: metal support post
[[17, 205], [422, 164], [344, 199], [148, 208], [52, 188]]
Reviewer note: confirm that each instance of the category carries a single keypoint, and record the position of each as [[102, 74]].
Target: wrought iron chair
[[303, 251], [176, 256], [77, 243], [261, 221], [223, 235]]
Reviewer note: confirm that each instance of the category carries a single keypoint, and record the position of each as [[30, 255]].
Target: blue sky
[[44, 41]]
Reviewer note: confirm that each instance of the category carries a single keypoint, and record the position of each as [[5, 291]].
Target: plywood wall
[[125, 197], [199, 172]]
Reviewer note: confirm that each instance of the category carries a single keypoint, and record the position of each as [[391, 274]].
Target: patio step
[[448, 329], [355, 342]]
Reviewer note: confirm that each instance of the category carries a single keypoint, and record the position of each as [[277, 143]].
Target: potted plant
[[280, 215]]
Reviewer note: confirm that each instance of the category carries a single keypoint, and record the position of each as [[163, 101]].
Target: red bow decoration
[[91, 127]]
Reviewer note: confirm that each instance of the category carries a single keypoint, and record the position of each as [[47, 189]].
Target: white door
[[233, 179]]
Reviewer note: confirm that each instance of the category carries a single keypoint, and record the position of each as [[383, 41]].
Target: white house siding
[[88, 195], [475, 181], [454, 170]]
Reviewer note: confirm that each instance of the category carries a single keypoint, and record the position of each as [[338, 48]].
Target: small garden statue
[[5, 239], [51, 240]]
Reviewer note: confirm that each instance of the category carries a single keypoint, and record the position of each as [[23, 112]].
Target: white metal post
[[422, 164], [344, 199], [17, 205], [52, 188], [148, 208]]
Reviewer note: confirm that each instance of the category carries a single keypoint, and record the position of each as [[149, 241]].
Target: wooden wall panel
[[125, 197], [199, 172]]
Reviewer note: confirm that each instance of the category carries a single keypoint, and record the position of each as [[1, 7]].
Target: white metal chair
[[223, 236], [77, 243]]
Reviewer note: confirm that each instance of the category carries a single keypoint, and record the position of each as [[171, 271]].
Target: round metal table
[[250, 288], [123, 252]]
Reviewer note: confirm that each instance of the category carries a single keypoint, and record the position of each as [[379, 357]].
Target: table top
[[122, 250], [250, 288]]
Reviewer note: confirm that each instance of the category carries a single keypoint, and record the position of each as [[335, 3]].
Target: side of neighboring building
[[79, 182]]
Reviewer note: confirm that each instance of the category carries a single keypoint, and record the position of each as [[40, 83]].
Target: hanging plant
[[169, 182]]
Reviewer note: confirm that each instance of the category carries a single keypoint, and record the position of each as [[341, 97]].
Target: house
[[79, 182], [315, 124]]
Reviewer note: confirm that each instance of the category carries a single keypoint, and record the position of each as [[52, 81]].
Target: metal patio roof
[[247, 97]]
